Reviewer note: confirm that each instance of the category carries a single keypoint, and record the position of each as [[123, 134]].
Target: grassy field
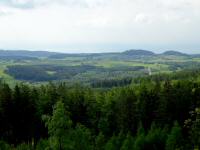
[[86, 68]]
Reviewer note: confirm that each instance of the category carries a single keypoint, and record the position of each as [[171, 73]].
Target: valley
[[90, 68]]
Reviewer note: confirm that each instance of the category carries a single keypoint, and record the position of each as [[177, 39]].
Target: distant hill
[[138, 53], [132, 53], [174, 53], [11, 57], [62, 56], [26, 53]]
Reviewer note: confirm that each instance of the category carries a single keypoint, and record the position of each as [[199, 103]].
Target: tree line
[[150, 115]]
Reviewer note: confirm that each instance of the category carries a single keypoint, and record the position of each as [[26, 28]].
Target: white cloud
[[77, 24]]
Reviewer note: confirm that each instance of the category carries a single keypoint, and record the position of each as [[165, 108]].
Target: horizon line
[[95, 52]]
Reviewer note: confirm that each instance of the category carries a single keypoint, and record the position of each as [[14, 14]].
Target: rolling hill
[[174, 53]]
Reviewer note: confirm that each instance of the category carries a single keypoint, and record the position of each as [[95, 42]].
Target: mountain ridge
[[175, 53], [131, 52], [138, 52]]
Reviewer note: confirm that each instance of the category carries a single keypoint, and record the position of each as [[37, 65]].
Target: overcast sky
[[100, 25]]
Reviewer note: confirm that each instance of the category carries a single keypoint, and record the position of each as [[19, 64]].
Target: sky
[[100, 25]]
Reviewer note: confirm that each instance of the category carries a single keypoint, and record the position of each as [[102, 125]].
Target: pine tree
[[115, 142], [193, 124], [100, 142], [59, 125], [128, 143], [156, 138], [81, 138], [6, 104], [111, 144], [175, 139], [140, 139]]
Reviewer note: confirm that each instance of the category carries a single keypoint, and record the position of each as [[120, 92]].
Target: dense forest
[[98, 70], [150, 114], [54, 72]]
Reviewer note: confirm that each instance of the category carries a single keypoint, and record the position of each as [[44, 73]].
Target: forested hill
[[139, 52], [161, 114], [26, 53], [174, 53], [133, 52], [95, 69]]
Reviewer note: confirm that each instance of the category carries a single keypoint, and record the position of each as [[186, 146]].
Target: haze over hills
[[26, 53], [139, 52], [131, 52], [175, 53], [39, 66]]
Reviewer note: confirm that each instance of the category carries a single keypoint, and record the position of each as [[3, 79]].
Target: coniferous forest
[[150, 114], [99, 75]]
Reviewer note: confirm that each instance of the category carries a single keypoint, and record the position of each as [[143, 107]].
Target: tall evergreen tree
[[175, 138], [59, 125], [100, 142], [82, 139], [128, 143]]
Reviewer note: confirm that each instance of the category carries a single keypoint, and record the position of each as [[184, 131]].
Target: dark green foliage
[[4, 146], [148, 105], [155, 138], [138, 117], [175, 138], [115, 142], [33, 73], [100, 142], [82, 139], [42, 144], [24, 146], [39, 73], [108, 83], [128, 143], [58, 125], [140, 139], [193, 125]]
